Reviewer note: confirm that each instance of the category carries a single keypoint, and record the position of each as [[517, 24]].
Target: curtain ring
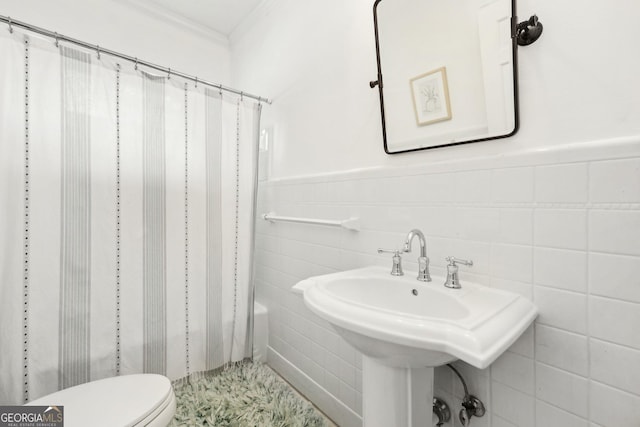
[[136, 66], [241, 96], [169, 74], [196, 81], [57, 41], [98, 50], [10, 26]]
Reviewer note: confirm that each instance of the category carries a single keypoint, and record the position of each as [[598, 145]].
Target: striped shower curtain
[[126, 221]]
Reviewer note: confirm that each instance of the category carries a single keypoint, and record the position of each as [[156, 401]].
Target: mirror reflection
[[448, 69]]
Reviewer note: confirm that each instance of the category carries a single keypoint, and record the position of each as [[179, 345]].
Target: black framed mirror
[[447, 72]]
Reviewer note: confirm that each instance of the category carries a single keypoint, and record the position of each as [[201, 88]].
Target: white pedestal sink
[[404, 328]]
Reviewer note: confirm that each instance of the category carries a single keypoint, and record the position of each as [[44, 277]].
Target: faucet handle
[[396, 269], [388, 251], [452, 271], [453, 260]]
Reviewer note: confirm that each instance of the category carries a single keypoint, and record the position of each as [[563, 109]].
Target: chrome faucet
[[452, 271], [423, 261], [396, 269]]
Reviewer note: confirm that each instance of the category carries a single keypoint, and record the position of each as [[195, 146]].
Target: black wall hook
[[529, 31]]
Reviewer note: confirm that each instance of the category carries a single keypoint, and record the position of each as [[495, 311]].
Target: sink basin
[[404, 328], [404, 322]]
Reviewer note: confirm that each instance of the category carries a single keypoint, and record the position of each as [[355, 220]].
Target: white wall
[[121, 26], [315, 58], [552, 213]]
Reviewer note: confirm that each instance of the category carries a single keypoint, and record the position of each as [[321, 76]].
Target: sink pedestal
[[399, 397]]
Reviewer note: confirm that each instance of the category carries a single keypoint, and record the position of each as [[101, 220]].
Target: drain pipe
[[471, 405]]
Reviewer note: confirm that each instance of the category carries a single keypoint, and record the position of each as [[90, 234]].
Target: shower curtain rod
[[60, 37]]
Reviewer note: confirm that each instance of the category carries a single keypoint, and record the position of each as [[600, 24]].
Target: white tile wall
[[562, 349], [551, 416], [565, 235], [562, 389], [553, 305]]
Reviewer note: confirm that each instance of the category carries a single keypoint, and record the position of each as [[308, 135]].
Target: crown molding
[[172, 18]]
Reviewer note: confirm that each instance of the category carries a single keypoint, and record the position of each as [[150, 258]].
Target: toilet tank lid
[[117, 401]]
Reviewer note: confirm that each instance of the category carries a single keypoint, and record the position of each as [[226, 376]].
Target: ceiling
[[222, 16]]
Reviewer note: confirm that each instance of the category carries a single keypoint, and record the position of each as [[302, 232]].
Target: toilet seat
[[125, 401]]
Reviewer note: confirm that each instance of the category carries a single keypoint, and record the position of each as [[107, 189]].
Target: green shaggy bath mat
[[245, 395]]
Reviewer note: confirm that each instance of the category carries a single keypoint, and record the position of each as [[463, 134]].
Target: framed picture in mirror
[[474, 99], [430, 93]]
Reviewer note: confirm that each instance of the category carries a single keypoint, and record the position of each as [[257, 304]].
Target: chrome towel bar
[[349, 224]]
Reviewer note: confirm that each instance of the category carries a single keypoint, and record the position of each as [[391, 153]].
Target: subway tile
[[514, 370], [347, 352], [614, 321], [319, 192], [501, 422], [358, 406], [438, 249], [513, 405], [373, 190], [332, 364], [318, 355], [615, 181], [368, 241], [560, 228], [347, 395], [563, 269], [613, 407], [524, 344], [520, 288], [562, 389], [382, 218], [615, 232], [615, 365], [397, 189], [476, 223], [562, 349], [515, 226], [434, 220], [472, 186], [561, 309], [565, 183], [331, 341], [615, 276], [512, 262], [513, 185], [348, 374], [437, 187], [332, 384], [341, 191], [550, 416], [350, 260], [316, 373]]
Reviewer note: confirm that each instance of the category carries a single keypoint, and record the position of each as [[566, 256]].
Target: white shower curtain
[[126, 224]]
